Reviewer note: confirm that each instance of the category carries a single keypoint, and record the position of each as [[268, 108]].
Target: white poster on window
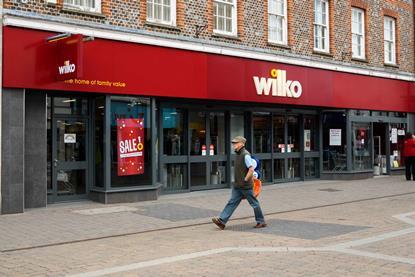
[[394, 135], [307, 140], [335, 137], [69, 138], [401, 132]]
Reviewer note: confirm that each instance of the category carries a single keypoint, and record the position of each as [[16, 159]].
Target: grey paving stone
[[299, 229], [175, 212]]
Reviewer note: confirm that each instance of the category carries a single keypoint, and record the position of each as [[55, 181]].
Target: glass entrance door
[[207, 150], [69, 158]]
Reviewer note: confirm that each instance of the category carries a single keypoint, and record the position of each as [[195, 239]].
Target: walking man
[[244, 170]]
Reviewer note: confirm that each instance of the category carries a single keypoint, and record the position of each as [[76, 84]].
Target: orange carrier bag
[[257, 187]]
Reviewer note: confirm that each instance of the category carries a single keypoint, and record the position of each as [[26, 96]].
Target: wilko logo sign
[[69, 58], [67, 68], [278, 85]]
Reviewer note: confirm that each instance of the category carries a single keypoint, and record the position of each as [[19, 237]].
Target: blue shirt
[[249, 161]]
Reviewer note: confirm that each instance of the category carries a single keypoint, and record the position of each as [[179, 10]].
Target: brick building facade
[[320, 88], [253, 25]]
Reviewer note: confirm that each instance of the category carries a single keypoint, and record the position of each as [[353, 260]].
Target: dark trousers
[[410, 168]]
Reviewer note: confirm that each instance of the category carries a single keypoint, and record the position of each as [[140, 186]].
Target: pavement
[[315, 228]]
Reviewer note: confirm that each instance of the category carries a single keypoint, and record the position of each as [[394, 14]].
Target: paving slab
[[78, 221]]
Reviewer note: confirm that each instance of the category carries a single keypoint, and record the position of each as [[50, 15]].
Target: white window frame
[[321, 26], [81, 5], [151, 18], [389, 40], [234, 18], [358, 34], [284, 29]]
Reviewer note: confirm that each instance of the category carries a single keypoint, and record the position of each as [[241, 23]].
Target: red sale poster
[[130, 139]]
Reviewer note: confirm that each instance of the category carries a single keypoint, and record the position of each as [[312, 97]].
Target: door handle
[[55, 162]]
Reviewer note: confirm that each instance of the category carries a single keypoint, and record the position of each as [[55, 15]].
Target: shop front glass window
[[361, 154], [334, 141], [397, 114], [278, 122], [266, 171], [130, 141], [217, 133], [379, 113], [218, 173], [197, 174], [293, 168], [175, 177], [237, 126], [262, 132], [310, 133], [70, 105], [311, 167], [397, 133], [173, 131], [360, 112], [293, 139], [279, 169], [197, 125]]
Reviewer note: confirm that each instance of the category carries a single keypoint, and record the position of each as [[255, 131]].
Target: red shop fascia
[[115, 67]]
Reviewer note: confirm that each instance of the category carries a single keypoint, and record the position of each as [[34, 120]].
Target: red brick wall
[[252, 22]]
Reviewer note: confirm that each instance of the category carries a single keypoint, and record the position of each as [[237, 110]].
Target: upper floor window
[[161, 11], [84, 5], [358, 33], [224, 17], [321, 25], [389, 40], [277, 21]]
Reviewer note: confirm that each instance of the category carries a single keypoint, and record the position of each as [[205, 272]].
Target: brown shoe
[[260, 225], [218, 223]]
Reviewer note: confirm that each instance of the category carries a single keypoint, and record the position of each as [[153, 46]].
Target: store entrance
[[207, 147], [380, 135], [68, 133]]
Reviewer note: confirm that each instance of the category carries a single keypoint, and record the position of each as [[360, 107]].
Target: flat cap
[[239, 139]]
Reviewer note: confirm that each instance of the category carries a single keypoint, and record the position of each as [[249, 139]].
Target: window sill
[[79, 11], [362, 60], [233, 37], [161, 25], [280, 45], [322, 53], [394, 65]]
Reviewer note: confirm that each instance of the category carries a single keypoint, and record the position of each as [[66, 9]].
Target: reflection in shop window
[[217, 133], [310, 133], [334, 141], [262, 133], [197, 125], [266, 171], [360, 112], [175, 177], [197, 174], [293, 168], [279, 169], [218, 173], [173, 131], [361, 145], [133, 151], [311, 167], [237, 126], [278, 122], [70, 105], [293, 139]]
